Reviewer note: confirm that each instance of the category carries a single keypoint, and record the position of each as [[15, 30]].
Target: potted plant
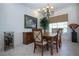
[[44, 23]]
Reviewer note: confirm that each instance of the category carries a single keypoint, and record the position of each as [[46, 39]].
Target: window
[[58, 25]]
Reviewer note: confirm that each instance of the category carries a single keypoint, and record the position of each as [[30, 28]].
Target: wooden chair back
[[55, 30], [37, 35]]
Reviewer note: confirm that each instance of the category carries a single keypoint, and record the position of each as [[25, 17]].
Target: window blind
[[60, 18]]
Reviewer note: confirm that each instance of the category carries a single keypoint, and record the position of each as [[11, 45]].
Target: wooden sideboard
[[27, 38]]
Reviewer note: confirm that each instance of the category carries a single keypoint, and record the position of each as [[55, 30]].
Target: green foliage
[[44, 23]]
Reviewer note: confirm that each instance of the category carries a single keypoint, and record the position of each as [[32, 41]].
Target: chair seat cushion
[[39, 43], [54, 41]]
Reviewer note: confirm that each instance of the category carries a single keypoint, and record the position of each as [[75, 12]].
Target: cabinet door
[[27, 37], [24, 38]]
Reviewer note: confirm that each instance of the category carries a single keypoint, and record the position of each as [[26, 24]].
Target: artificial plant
[[44, 23]]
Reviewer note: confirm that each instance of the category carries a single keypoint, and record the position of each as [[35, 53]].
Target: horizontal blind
[[60, 18]]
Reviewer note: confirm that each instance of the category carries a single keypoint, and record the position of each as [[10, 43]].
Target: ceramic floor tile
[[68, 48]]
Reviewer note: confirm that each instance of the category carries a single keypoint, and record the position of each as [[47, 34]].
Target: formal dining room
[[39, 29]]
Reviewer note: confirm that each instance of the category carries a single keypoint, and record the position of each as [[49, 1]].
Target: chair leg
[[47, 46], [51, 51], [34, 48], [60, 44], [51, 47], [42, 50], [57, 47]]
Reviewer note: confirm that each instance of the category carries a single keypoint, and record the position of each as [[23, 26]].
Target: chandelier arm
[[47, 11]]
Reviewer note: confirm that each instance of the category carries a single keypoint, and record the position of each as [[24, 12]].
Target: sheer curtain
[[58, 25]]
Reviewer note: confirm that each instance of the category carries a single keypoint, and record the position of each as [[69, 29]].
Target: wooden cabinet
[[27, 37]]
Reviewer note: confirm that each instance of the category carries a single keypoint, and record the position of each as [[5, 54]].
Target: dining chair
[[38, 39], [60, 37], [54, 30], [54, 42]]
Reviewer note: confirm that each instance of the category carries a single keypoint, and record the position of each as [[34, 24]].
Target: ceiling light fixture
[[47, 11]]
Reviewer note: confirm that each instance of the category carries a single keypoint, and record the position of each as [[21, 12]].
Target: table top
[[49, 34]]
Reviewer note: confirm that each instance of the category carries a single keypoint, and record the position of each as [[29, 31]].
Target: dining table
[[51, 34], [49, 37]]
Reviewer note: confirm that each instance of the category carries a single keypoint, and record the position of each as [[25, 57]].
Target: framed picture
[[30, 22]]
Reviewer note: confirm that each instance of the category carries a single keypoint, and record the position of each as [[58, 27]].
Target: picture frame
[[30, 22]]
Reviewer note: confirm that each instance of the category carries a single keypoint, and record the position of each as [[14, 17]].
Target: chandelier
[[47, 11]]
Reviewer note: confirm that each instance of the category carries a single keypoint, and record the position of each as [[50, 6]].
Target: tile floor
[[68, 48]]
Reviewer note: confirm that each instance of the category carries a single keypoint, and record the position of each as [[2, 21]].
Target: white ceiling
[[56, 6]]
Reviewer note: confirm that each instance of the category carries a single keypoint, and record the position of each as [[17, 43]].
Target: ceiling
[[56, 6]]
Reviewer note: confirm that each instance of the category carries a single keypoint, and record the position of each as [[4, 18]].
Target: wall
[[72, 12], [78, 22], [12, 19]]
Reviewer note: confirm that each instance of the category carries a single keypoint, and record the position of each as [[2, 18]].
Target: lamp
[[74, 26], [47, 11]]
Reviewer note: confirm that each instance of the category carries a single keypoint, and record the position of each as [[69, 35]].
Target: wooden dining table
[[48, 35]]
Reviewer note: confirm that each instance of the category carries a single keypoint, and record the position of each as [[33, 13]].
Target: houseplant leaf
[[44, 23]]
